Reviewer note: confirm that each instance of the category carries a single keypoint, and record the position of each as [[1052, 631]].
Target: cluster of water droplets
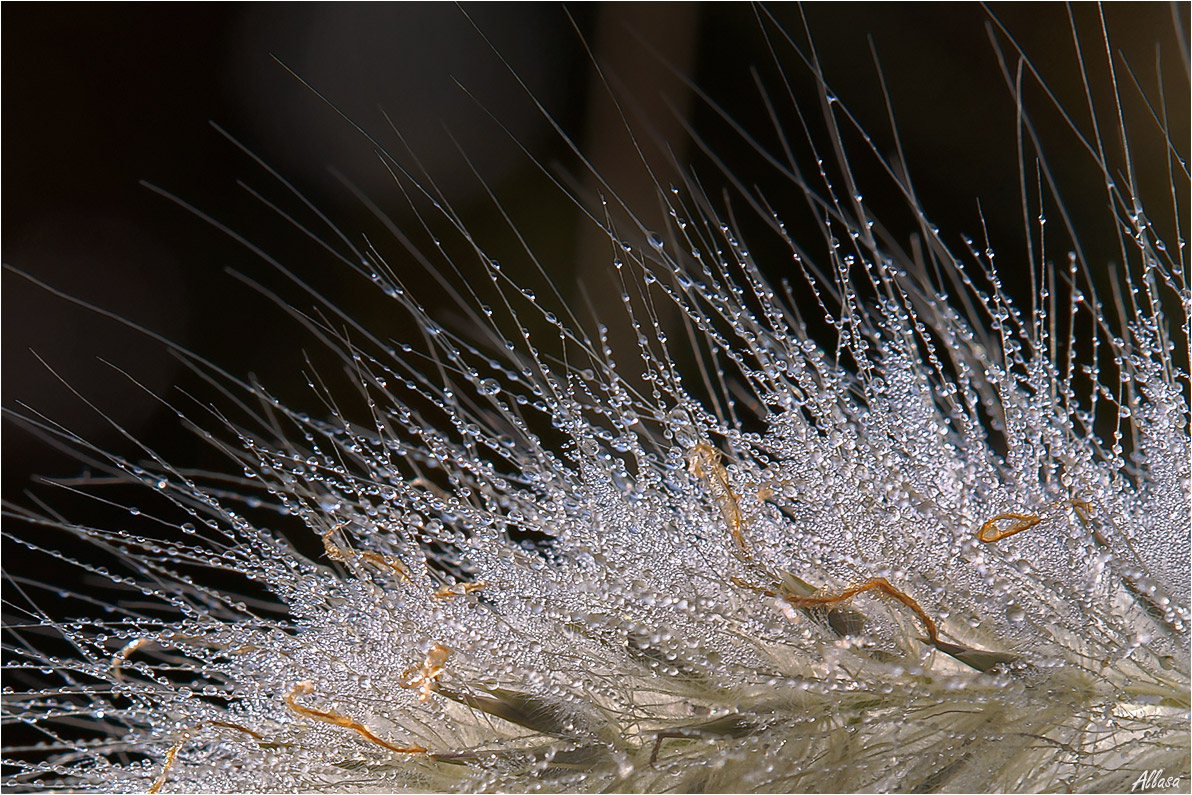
[[527, 570]]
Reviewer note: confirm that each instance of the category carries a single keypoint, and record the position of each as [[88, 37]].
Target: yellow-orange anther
[[426, 676], [333, 717], [875, 584], [704, 463], [165, 770], [121, 656], [991, 532], [346, 553], [460, 589], [176, 747]]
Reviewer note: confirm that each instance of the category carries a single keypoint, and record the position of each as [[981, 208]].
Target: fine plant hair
[[815, 497]]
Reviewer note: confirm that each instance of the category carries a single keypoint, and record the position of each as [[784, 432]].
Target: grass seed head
[[873, 519]]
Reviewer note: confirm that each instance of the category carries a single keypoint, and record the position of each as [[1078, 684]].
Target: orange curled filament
[[165, 770], [461, 589], [345, 553], [172, 754], [875, 584], [237, 727], [388, 562], [333, 717], [122, 655], [990, 532], [704, 463], [426, 676]]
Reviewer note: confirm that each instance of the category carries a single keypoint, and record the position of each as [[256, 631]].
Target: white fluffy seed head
[[880, 522]]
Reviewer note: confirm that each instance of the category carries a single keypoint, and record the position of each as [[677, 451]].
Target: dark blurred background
[[98, 97]]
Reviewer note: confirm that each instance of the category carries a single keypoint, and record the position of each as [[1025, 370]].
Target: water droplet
[[680, 425]]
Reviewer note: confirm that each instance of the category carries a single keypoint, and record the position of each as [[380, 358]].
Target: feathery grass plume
[[862, 517]]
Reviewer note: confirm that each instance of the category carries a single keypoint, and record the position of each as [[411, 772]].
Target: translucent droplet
[[685, 433]]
